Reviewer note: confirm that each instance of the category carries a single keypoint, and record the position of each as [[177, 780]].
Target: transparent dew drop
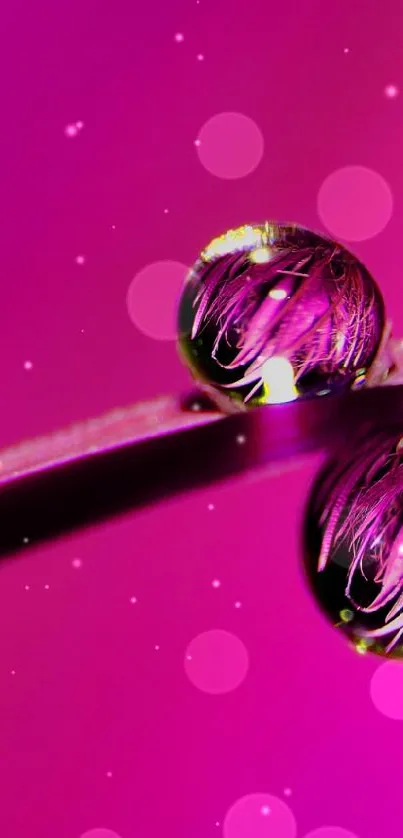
[[272, 313]]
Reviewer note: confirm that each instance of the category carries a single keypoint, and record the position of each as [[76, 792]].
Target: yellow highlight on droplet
[[278, 376], [243, 238], [260, 255]]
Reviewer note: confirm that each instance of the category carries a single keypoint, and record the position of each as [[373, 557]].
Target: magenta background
[[90, 694]]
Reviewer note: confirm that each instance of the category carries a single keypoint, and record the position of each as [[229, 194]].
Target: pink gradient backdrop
[[99, 728]]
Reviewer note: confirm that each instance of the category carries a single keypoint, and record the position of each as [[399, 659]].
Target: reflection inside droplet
[[354, 544], [270, 291]]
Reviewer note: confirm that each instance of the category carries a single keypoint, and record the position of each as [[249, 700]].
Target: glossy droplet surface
[[353, 544], [272, 312]]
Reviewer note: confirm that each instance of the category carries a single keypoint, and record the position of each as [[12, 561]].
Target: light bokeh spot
[[230, 145], [355, 203], [153, 296], [387, 689], [100, 833], [216, 662], [391, 91], [331, 832], [260, 816]]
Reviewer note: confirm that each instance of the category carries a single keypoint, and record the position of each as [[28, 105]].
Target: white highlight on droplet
[[216, 583], [179, 37], [76, 563], [28, 365], [277, 294], [278, 375], [210, 507], [80, 259]]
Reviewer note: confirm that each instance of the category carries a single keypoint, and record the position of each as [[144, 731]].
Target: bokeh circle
[[230, 145], [100, 833], [387, 689], [216, 662], [153, 296], [355, 203], [331, 832], [260, 816]]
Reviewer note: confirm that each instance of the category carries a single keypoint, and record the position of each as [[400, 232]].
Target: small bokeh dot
[[355, 203], [216, 662], [153, 296], [230, 145], [387, 689], [260, 816]]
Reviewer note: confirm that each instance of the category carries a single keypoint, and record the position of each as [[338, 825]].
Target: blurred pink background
[[161, 670]]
